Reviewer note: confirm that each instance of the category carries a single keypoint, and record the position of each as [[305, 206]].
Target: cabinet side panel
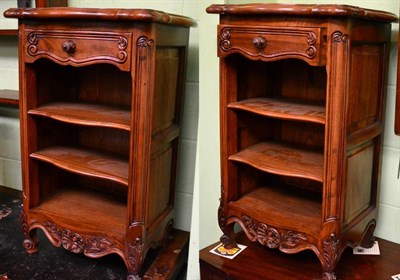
[[365, 86], [359, 180], [165, 97]]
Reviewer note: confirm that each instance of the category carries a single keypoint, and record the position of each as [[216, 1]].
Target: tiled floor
[[50, 262]]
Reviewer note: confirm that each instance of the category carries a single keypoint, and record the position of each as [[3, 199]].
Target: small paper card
[[221, 251], [374, 250], [396, 277]]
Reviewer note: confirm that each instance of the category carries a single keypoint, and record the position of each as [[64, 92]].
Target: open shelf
[[86, 162], [9, 97], [282, 109], [87, 207], [281, 206], [86, 114], [282, 160]]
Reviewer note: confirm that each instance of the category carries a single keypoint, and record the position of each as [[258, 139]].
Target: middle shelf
[[86, 162], [86, 114], [281, 108], [284, 160]]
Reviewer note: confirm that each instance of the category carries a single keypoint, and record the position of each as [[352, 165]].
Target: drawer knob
[[259, 42], [69, 46]]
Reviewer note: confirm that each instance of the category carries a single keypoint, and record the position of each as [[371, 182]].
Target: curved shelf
[[281, 109], [85, 114], [282, 160], [89, 163]]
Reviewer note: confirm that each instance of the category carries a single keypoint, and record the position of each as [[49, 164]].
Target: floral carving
[[330, 256], [77, 243], [96, 245], [221, 212], [271, 237], [72, 241], [135, 255]]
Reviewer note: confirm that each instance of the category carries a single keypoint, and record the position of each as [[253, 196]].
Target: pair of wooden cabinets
[[301, 116], [100, 108], [302, 90]]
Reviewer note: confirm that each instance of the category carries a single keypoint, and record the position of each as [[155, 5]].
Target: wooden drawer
[[268, 44], [79, 48]]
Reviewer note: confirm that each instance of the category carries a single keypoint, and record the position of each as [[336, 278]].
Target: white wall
[[389, 207]]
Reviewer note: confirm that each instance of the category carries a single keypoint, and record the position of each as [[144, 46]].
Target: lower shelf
[[86, 211], [286, 208]]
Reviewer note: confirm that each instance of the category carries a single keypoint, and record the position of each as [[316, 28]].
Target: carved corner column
[[330, 257]]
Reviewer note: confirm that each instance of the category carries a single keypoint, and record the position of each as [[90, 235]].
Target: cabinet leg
[[330, 257], [229, 237], [328, 276], [132, 276], [30, 242], [369, 238]]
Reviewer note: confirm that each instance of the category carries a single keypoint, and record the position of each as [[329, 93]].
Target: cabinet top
[[145, 15], [302, 10]]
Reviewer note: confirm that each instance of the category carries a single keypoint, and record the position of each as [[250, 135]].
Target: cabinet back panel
[[95, 87], [104, 139], [85, 84], [53, 179], [290, 79], [253, 129]]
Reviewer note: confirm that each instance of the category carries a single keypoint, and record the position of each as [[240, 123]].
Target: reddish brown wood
[[101, 93], [302, 10], [282, 160], [143, 15], [256, 262], [301, 106], [282, 109], [9, 97], [8, 32], [86, 114]]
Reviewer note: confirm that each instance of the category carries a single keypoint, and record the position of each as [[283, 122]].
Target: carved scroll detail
[[339, 37], [271, 237], [114, 47], [232, 39], [135, 255], [221, 212], [330, 256], [77, 243], [145, 42], [225, 43], [33, 41], [29, 244]]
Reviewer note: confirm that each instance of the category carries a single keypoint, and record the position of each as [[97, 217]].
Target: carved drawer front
[[79, 48], [273, 43]]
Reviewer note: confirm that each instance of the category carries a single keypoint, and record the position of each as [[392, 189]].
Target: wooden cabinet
[[301, 103], [101, 93]]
